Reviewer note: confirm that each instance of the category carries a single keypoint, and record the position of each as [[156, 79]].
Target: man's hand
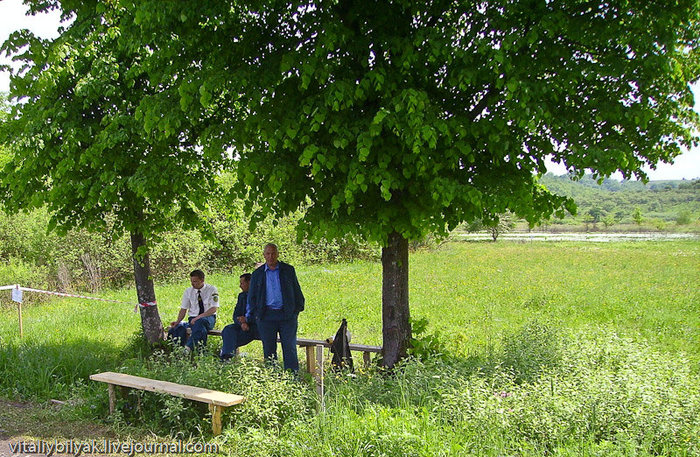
[[245, 327], [174, 324]]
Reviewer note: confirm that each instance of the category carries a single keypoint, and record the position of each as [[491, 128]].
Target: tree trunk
[[150, 319], [396, 326]]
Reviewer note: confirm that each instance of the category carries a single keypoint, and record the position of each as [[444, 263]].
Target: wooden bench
[[217, 400], [309, 345]]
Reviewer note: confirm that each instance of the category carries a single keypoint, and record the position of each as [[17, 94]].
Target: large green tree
[[397, 118], [80, 144]]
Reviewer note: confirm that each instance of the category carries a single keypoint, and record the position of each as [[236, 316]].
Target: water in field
[[591, 236]]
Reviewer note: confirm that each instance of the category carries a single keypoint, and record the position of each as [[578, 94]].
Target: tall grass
[[548, 349]]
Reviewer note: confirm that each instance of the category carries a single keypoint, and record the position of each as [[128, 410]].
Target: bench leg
[[215, 419], [112, 398], [365, 358], [311, 360]]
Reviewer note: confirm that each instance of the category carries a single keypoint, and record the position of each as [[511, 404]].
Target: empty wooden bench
[[217, 400]]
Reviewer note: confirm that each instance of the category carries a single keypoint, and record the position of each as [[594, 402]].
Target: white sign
[[17, 295]]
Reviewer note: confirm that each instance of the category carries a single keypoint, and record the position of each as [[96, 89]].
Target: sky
[[12, 17]]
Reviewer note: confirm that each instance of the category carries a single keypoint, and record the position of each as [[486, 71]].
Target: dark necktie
[[201, 303]]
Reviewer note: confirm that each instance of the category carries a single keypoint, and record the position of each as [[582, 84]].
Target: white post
[[319, 375], [17, 296]]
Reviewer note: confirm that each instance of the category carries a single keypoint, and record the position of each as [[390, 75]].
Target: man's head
[[245, 281], [197, 279], [271, 254]]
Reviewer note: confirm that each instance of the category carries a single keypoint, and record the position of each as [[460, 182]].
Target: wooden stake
[[19, 308]]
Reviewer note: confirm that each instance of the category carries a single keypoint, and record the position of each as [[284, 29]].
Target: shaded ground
[[29, 423], [39, 426]]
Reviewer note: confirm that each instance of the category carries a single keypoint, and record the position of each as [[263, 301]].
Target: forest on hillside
[[660, 205]]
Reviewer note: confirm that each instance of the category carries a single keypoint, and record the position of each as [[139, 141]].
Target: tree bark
[[150, 319], [396, 326]]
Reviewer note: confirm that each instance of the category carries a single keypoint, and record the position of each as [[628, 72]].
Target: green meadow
[[529, 349]]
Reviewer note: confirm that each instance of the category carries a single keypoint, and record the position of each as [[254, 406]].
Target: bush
[[91, 261], [534, 348], [15, 271], [684, 218]]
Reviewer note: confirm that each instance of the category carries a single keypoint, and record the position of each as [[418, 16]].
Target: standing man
[[240, 332], [274, 302], [201, 301]]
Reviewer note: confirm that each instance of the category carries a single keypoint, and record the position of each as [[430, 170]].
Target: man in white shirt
[[201, 302]]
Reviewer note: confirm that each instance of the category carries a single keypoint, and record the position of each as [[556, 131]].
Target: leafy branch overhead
[[414, 116], [82, 143]]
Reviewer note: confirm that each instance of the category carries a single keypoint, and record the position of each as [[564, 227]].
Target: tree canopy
[[414, 116], [80, 144]]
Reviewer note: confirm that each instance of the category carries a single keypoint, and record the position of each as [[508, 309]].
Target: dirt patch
[[44, 421], [31, 422], [29, 429]]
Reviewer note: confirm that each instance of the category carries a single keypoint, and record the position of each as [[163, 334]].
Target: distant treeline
[[81, 260], [658, 204]]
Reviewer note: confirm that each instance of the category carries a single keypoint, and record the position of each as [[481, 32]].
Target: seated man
[[201, 301], [240, 332]]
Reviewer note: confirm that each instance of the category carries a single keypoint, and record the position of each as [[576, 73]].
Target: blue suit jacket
[[292, 297]]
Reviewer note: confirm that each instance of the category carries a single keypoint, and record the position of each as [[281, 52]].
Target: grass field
[[547, 348]]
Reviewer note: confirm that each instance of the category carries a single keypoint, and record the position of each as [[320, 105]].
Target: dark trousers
[[198, 337], [234, 337], [272, 324]]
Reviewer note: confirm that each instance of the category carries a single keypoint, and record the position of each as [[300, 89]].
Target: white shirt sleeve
[[185, 299], [214, 297]]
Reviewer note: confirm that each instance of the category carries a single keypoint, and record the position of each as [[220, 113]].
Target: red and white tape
[[85, 297]]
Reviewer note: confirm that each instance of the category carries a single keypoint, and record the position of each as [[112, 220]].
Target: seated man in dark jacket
[[240, 332], [274, 303]]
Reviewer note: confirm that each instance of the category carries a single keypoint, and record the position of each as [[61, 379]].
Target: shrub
[[684, 218], [92, 260], [16, 271], [532, 349]]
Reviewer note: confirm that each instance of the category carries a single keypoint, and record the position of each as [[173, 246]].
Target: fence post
[[17, 296], [19, 308]]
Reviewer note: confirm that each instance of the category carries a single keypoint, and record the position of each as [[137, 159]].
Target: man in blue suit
[[274, 303], [240, 332]]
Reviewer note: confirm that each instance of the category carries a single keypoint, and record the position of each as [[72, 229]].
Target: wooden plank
[[303, 342], [308, 342], [213, 397], [364, 348]]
